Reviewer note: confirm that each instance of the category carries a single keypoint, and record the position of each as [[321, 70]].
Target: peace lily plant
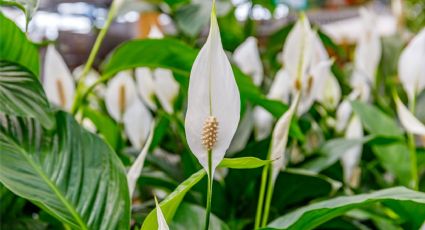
[[127, 143], [213, 106]]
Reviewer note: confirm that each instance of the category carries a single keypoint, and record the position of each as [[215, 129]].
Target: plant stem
[[270, 188], [261, 196], [209, 191], [78, 97], [412, 150]]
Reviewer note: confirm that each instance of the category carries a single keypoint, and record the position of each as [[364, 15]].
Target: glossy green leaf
[[16, 48], [171, 203], [193, 217], [69, 173], [21, 94], [178, 57], [243, 163], [311, 216], [375, 121]]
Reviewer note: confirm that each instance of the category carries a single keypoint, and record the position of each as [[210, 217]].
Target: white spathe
[[91, 77], [280, 139], [368, 49], [263, 123], [212, 92], [162, 223], [137, 120], [146, 86], [136, 168], [58, 82], [166, 88], [247, 58], [409, 122], [329, 93], [411, 67], [120, 95], [155, 32], [351, 158]]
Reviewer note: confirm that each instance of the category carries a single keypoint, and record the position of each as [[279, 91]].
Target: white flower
[[263, 123], [146, 86], [280, 139], [136, 168], [351, 158], [166, 88], [162, 223], [91, 77], [410, 123], [58, 82], [343, 113], [329, 93], [120, 95], [137, 120], [155, 32], [247, 57], [281, 87], [243, 132], [367, 55], [213, 108], [411, 67]]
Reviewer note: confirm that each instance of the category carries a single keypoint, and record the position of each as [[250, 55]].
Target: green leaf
[[311, 216], [172, 202], [16, 48], [21, 94], [70, 173], [243, 163], [27, 6], [193, 217], [375, 121], [178, 57], [106, 126]]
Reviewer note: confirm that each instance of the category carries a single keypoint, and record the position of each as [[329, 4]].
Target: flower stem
[[270, 188], [209, 191], [78, 97], [412, 150], [261, 196]]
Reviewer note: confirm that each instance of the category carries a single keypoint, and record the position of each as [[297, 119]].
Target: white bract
[[213, 107], [411, 67], [247, 58], [58, 82], [162, 223], [280, 139], [351, 158], [409, 122], [155, 32], [166, 88], [136, 168], [120, 95], [146, 86], [137, 120]]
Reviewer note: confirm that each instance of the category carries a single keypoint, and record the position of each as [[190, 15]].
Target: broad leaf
[[21, 94], [70, 173], [313, 215], [178, 57], [16, 48], [375, 121], [243, 163], [193, 217], [172, 202]]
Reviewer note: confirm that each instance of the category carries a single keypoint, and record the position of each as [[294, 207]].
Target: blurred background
[[74, 24]]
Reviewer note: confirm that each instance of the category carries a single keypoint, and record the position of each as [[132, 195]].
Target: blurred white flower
[[159, 83], [247, 58], [120, 95], [136, 168], [146, 86], [281, 87], [280, 139], [243, 132], [329, 92], [166, 88], [91, 77], [137, 120], [344, 111], [409, 122], [162, 223], [213, 107], [411, 67], [263, 123], [58, 82], [155, 32], [351, 158]]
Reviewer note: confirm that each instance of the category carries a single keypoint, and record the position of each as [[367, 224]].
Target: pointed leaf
[[410, 123], [243, 163]]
